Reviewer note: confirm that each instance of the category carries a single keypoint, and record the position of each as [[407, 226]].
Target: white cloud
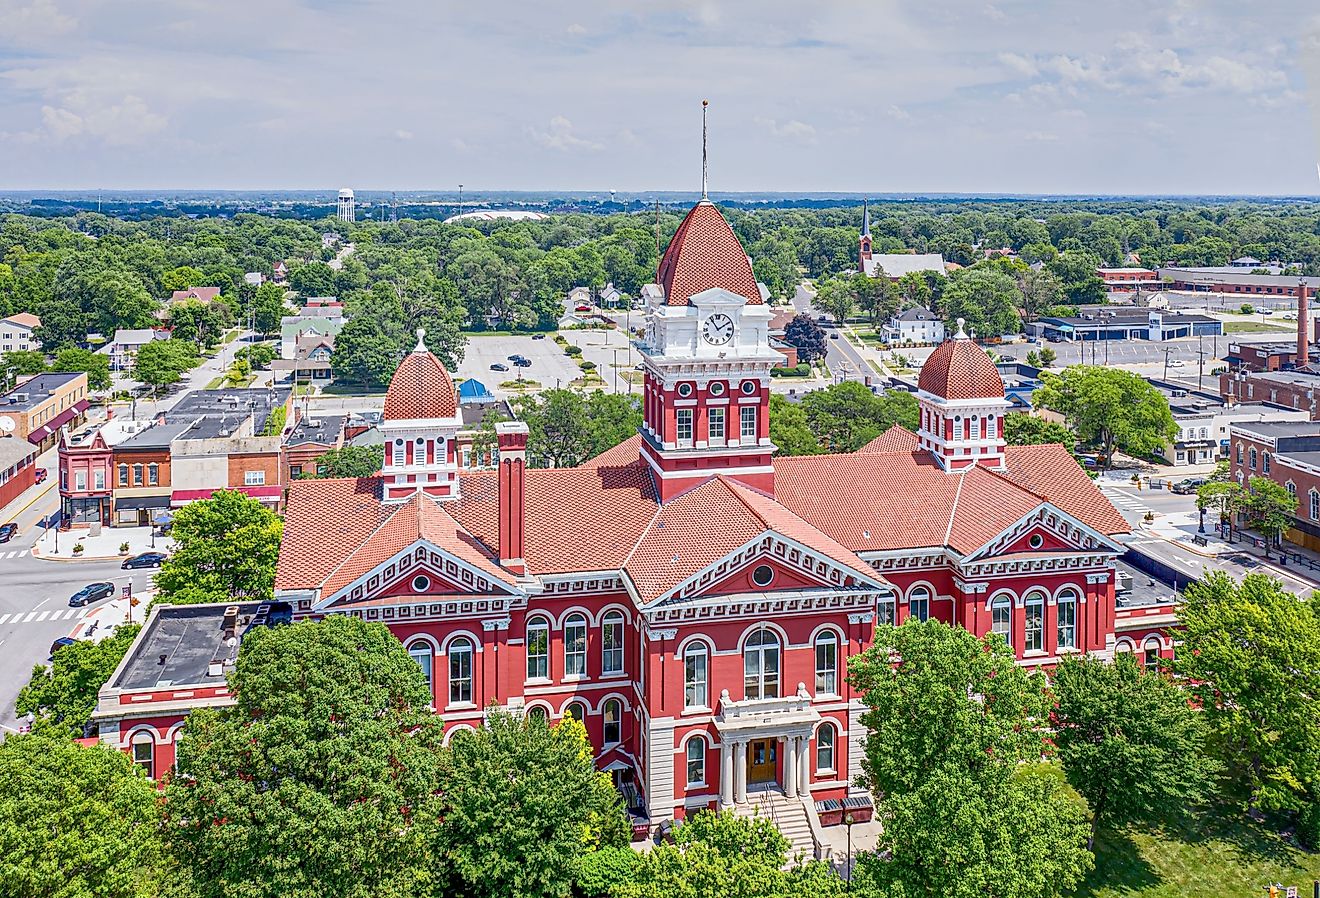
[[898, 113], [124, 123], [403, 134], [576, 30], [792, 130], [559, 136], [25, 23]]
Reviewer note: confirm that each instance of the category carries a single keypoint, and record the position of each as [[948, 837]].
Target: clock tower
[[707, 360]]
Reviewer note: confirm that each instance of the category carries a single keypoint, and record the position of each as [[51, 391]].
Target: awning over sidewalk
[[54, 424], [263, 493], [129, 503]]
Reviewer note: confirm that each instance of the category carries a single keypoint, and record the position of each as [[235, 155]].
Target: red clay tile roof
[[421, 388], [626, 453], [896, 439], [1051, 472], [705, 253], [959, 369]]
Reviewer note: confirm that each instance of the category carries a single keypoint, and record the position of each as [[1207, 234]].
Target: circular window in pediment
[[421, 583], [763, 575]]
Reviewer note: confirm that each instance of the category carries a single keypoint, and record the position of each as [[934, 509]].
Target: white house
[[915, 325], [16, 332], [124, 347]]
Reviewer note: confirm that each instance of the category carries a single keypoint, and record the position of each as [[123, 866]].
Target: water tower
[[346, 210]]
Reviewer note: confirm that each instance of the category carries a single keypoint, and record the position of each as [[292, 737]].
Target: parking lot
[[550, 367]]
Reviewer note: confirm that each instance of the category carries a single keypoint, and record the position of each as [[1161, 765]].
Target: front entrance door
[[761, 757]]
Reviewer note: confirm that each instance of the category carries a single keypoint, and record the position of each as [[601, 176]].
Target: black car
[[538, 336], [92, 592], [499, 367], [516, 357], [523, 363], [60, 643], [8, 531], [145, 559]]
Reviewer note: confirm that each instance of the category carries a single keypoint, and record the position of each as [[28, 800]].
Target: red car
[[42, 474]]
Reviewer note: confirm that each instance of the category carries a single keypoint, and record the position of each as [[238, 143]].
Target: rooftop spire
[[704, 105], [962, 334], [421, 346], [866, 219]]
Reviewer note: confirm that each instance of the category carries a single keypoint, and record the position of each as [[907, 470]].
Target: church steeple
[[864, 241]]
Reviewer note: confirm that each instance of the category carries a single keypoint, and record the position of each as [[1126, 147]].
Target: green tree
[[1227, 497], [313, 279], [197, 322], [258, 355], [1077, 277], [986, 300], [75, 821], [727, 856], [1251, 652], [95, 364], [22, 362], [1021, 429], [163, 362], [522, 801], [1039, 289], [788, 428], [268, 308], [62, 696], [845, 417], [567, 427], [950, 722], [348, 461], [837, 297], [1129, 741], [1270, 509], [322, 779], [804, 333], [226, 548], [182, 278], [368, 351], [1110, 408], [915, 291]]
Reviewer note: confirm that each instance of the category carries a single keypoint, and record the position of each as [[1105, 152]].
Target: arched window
[[536, 712], [611, 643], [1291, 488], [575, 646], [974, 427], [576, 710], [1238, 448], [460, 671], [1253, 457], [144, 752], [538, 649], [422, 653], [613, 731], [1001, 618], [761, 665], [1315, 506], [1034, 629], [1150, 652], [989, 427], [1265, 463], [825, 748], [919, 603], [396, 458], [827, 663], [178, 734], [1067, 614], [696, 761], [694, 675]]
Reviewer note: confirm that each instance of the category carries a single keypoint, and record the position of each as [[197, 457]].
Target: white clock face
[[718, 329]]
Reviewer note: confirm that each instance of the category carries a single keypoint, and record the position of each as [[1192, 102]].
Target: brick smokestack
[[1303, 326], [511, 437]]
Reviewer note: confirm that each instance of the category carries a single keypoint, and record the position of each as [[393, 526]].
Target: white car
[[1177, 363]]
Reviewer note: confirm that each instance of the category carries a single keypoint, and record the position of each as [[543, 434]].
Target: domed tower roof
[[421, 388], [959, 369], [705, 253]]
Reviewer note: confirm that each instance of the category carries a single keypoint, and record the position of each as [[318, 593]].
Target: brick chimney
[[511, 438], [1303, 326]]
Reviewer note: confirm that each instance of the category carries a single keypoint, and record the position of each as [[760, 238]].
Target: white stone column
[[740, 773], [726, 774], [804, 765], [790, 766]]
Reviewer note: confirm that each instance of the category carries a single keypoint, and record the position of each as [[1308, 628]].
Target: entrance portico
[[755, 734]]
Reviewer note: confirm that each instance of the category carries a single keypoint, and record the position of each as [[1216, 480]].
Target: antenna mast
[[704, 105]]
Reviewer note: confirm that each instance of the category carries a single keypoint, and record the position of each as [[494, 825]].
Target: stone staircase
[[789, 815]]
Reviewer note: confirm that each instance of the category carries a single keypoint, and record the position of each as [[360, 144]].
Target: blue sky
[[1038, 96]]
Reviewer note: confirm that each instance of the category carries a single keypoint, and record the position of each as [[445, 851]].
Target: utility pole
[[460, 199], [1167, 350], [1200, 359]]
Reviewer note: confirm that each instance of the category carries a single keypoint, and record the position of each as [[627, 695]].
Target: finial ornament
[[704, 105], [421, 334], [962, 334]]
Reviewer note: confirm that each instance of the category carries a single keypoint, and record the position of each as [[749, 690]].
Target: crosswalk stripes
[[36, 617], [15, 553], [1126, 500]]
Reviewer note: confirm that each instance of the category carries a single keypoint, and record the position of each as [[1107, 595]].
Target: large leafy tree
[[1270, 509], [1130, 742], [807, 335], [21, 362], [986, 299], [522, 801], [846, 416], [164, 362], [789, 430], [1110, 408], [322, 779], [267, 308], [95, 364], [726, 856], [567, 427], [62, 696], [1251, 651], [1029, 430], [950, 721], [75, 821], [226, 548], [199, 322], [837, 297], [348, 461]]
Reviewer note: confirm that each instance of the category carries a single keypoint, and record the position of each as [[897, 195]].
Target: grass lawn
[[1218, 853], [1255, 327]]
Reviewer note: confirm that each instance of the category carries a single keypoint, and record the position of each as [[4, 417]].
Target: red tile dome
[[421, 388], [705, 253], [959, 369]]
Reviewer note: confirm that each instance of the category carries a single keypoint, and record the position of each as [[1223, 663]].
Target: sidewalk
[[59, 546], [101, 621], [1182, 530]]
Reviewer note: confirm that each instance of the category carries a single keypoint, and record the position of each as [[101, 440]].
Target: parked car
[[515, 357], [834, 335], [8, 531], [499, 367], [582, 308], [60, 643], [92, 592], [1185, 487], [1261, 310], [1177, 363], [42, 474], [538, 336], [523, 363], [144, 559]]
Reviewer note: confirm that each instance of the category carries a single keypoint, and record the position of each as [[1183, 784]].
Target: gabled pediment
[[1045, 529], [447, 574]]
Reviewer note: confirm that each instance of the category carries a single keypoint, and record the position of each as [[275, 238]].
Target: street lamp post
[[848, 822]]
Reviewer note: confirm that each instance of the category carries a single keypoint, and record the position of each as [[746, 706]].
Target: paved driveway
[[550, 367]]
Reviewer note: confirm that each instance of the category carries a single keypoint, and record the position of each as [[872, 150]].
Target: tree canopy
[[226, 548], [164, 362], [1109, 408], [804, 333], [845, 417], [348, 461], [62, 696], [567, 427]]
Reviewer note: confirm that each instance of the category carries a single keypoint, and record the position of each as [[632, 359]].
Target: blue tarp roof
[[474, 391]]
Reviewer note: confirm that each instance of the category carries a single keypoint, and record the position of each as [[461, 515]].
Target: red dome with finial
[[705, 253], [421, 388], [959, 369]]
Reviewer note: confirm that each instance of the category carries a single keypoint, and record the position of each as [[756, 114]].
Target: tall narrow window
[[684, 426], [989, 427], [153, 474], [884, 610], [1315, 505], [98, 478], [611, 643], [1001, 618], [1034, 631], [1265, 463], [1151, 653], [747, 429], [694, 675], [715, 420], [613, 729], [538, 649], [137, 475], [123, 475], [825, 747], [421, 653], [761, 665], [460, 671], [1067, 613], [919, 604], [144, 753], [696, 761], [1253, 457], [974, 425], [575, 646], [957, 427], [80, 481], [827, 664]]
